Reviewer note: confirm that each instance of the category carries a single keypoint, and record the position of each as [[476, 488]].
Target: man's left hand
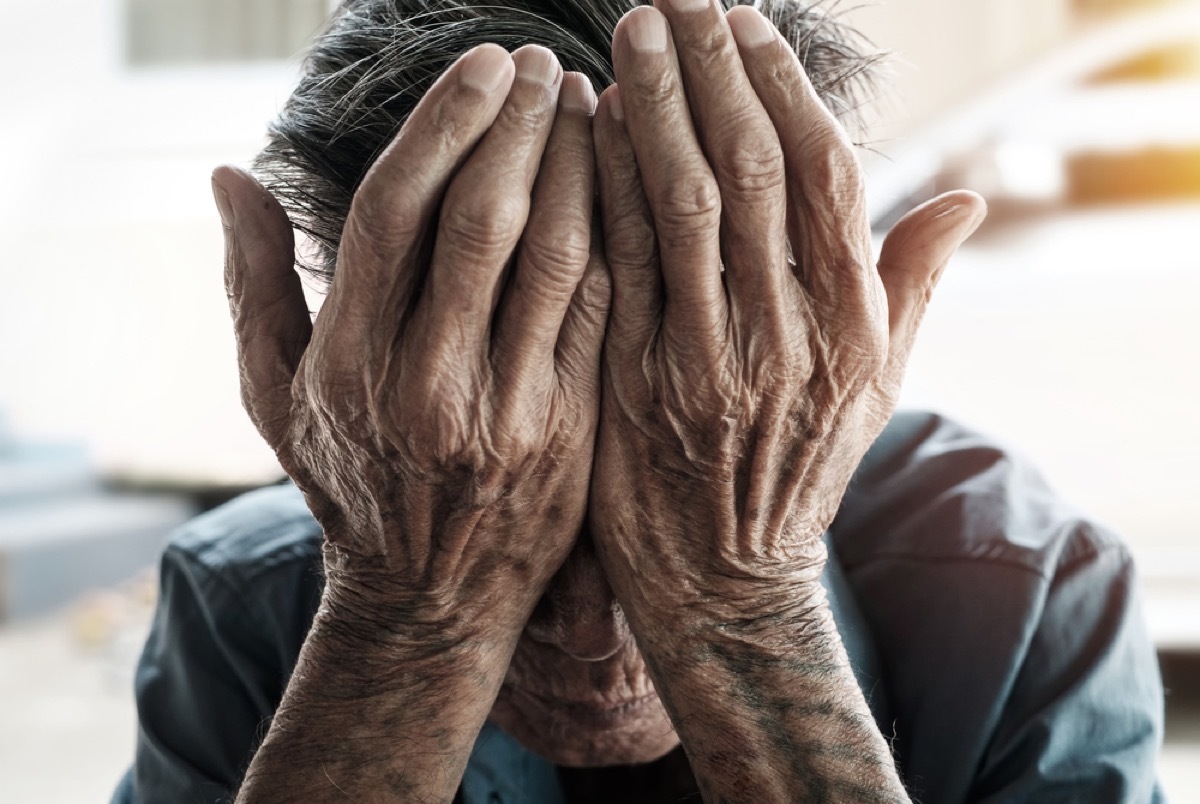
[[754, 352], [755, 349]]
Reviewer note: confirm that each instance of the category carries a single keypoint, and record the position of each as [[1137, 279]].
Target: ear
[[270, 316]]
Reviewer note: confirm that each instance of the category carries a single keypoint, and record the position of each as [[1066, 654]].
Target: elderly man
[[596, 505]]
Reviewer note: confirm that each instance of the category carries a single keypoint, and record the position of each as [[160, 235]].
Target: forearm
[[768, 709], [372, 720]]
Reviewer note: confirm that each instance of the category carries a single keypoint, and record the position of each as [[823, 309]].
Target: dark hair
[[376, 59]]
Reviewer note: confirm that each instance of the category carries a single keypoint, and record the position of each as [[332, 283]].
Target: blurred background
[[1069, 326]]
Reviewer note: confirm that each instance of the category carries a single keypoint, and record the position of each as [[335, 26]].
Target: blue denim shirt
[[996, 634]]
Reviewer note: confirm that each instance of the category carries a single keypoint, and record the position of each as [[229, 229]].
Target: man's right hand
[[439, 417], [440, 414]]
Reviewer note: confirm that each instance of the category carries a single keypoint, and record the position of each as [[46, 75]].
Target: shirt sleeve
[[1084, 719], [1009, 630], [206, 687]]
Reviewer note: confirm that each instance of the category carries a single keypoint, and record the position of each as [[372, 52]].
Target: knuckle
[[523, 443], [484, 224], [622, 196], [448, 452], [556, 260], [688, 205], [596, 296], [525, 115], [709, 47], [749, 166], [443, 441], [632, 244], [654, 89], [831, 167], [384, 216]]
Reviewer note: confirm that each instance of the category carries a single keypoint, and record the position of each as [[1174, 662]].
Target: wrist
[[780, 621], [772, 690], [366, 718], [704, 530], [366, 600], [698, 578], [374, 650]]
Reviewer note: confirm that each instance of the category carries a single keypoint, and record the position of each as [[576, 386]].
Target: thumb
[[271, 323], [915, 254]]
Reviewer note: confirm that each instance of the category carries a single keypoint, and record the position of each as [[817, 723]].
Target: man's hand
[[754, 353], [439, 416], [755, 349]]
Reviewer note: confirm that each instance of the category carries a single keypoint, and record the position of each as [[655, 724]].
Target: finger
[[271, 322], [915, 255], [684, 198], [743, 150], [827, 223], [380, 258], [630, 247], [556, 244], [485, 212], [582, 339]]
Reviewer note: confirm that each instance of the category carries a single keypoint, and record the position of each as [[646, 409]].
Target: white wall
[[112, 316], [113, 325], [947, 51]]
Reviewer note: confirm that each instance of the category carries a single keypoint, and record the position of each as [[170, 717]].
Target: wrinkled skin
[[743, 397], [441, 415], [755, 349], [443, 438], [577, 690]]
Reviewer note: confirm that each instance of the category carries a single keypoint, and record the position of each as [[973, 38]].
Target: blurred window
[[161, 32]]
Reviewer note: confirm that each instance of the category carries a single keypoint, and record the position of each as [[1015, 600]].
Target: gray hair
[[375, 60]]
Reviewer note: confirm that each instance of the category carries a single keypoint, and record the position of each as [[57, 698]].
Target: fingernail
[[647, 30], [577, 94], [485, 68], [224, 208], [537, 65], [689, 5], [751, 29], [615, 107]]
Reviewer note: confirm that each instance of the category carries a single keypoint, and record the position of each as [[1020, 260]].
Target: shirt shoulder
[[934, 490], [1010, 644], [237, 590], [252, 536]]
